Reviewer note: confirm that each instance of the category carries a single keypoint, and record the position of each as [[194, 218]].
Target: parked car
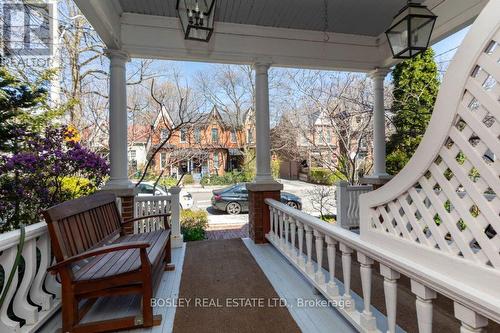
[[147, 189], [234, 199]]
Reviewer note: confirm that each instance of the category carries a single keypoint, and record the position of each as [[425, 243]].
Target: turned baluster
[[280, 222], [286, 220], [300, 232], [391, 292], [272, 233], [423, 304], [320, 276], [472, 322], [346, 271], [367, 318], [309, 237], [293, 250], [331, 286]]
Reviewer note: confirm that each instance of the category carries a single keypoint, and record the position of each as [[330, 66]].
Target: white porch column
[[263, 137], [378, 77], [118, 120]]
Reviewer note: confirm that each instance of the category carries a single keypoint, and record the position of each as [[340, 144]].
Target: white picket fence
[[36, 285]]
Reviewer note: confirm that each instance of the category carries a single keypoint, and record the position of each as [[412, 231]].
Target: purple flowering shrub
[[45, 169]]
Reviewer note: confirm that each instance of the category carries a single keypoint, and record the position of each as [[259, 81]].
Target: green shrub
[[76, 187], [167, 182], [324, 176], [228, 178], [194, 224], [188, 179]]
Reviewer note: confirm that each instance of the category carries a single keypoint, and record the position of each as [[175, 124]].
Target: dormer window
[[215, 135]]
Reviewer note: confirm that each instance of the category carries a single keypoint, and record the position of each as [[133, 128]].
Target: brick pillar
[[126, 197], [258, 211], [127, 204]]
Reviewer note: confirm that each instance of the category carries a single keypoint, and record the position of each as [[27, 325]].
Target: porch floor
[[235, 271]]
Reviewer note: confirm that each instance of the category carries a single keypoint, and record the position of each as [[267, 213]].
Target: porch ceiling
[[359, 17], [285, 33]]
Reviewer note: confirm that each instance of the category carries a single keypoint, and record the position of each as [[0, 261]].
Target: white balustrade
[[367, 318], [151, 205], [391, 295], [423, 304], [472, 322], [32, 282], [348, 203], [300, 231], [319, 276], [159, 204], [309, 239], [346, 273], [331, 287]]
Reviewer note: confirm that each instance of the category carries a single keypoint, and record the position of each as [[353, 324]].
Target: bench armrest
[[166, 215], [98, 251]]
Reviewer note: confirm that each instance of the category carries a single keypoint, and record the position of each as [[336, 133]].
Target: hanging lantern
[[411, 31], [197, 18]]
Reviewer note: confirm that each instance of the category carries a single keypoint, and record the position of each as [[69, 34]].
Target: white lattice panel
[[454, 205]]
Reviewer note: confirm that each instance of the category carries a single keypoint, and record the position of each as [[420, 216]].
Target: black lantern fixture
[[197, 18], [411, 31]]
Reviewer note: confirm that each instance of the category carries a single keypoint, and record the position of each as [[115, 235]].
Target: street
[[202, 200]]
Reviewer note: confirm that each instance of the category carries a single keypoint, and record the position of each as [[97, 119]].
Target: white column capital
[[117, 55], [379, 73], [261, 67]]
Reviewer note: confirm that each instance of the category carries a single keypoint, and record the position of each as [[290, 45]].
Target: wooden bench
[[95, 258]]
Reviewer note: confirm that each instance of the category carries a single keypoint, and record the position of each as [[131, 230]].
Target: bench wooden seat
[[122, 262], [95, 258]]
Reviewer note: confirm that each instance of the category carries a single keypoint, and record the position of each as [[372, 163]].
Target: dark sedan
[[234, 199]]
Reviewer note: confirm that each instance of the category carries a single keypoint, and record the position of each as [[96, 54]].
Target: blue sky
[[442, 50]]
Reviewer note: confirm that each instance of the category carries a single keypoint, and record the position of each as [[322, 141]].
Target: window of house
[[328, 136], [233, 136], [215, 135], [183, 134], [197, 135], [216, 161], [164, 134], [363, 144], [163, 160], [249, 135], [358, 119], [321, 136], [132, 154]]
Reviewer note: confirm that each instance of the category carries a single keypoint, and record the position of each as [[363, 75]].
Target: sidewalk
[[196, 188]]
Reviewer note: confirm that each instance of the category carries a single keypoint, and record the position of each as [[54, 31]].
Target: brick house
[[216, 143]]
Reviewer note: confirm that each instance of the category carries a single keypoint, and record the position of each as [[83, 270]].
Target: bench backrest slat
[[78, 225]]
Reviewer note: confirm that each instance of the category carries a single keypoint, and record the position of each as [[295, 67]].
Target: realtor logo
[[27, 28]]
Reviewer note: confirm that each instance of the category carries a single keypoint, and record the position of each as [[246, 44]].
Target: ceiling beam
[[104, 16], [147, 36]]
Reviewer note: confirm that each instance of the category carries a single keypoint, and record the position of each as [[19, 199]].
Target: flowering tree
[[46, 169], [40, 165]]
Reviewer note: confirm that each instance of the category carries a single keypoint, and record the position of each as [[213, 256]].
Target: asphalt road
[[202, 200]]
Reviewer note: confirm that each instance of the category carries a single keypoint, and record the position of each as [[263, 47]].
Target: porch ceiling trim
[[160, 37]]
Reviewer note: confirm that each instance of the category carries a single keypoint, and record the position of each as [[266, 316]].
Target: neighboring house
[[215, 143], [138, 136], [314, 139]]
